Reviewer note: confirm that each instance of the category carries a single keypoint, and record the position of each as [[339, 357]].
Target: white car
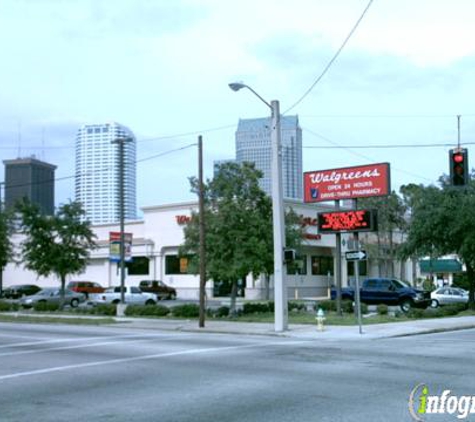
[[447, 296], [132, 296]]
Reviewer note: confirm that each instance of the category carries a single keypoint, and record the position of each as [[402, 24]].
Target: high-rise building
[[97, 172], [31, 179], [253, 143]]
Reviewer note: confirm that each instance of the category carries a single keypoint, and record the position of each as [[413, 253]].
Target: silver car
[[53, 295], [447, 296]]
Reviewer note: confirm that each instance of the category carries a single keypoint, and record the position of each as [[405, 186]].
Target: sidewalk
[[310, 332]]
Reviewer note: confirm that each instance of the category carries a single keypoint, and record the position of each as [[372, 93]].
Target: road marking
[[145, 357], [36, 343], [80, 346]]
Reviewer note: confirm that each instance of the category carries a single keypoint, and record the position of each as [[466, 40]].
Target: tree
[[58, 244], [6, 246], [238, 216], [442, 223], [391, 220]]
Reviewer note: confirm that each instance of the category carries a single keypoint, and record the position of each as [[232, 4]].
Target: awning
[[440, 266]]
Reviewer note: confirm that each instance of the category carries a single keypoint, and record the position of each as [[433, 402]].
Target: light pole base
[[121, 307]]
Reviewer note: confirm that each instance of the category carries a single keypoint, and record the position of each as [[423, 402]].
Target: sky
[[162, 68]]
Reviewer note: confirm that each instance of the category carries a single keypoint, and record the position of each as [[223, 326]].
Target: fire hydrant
[[320, 319]]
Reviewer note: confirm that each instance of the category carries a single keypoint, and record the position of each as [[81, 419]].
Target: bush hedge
[[8, 306], [147, 310], [326, 305], [257, 307], [382, 309], [189, 310], [45, 307], [296, 306], [441, 312]]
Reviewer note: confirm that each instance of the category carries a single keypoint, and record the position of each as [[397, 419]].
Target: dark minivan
[[20, 290], [159, 288]]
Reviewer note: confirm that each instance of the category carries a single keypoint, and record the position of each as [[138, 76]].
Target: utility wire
[[138, 141], [386, 146], [327, 67], [104, 169], [336, 145]]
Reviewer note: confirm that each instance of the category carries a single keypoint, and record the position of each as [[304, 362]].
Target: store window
[[175, 264], [322, 265], [298, 267], [138, 266]]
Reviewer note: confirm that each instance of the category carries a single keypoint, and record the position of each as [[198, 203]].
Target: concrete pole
[[120, 142], [202, 251], [280, 288]]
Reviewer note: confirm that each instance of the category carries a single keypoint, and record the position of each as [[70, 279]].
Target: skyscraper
[[253, 143], [97, 172], [31, 179]]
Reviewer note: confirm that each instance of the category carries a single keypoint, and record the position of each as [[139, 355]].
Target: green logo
[[421, 403]]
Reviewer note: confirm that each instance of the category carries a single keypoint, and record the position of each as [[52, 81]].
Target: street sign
[[355, 255]]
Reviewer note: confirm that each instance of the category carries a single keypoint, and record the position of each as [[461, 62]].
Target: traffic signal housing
[[458, 161]]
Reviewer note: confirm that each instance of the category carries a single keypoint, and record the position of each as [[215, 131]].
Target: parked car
[[85, 287], [20, 290], [159, 288], [53, 295], [132, 295], [388, 291], [447, 296]]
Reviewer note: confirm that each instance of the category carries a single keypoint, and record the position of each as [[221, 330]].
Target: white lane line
[[145, 357], [81, 346], [15, 336], [37, 343]]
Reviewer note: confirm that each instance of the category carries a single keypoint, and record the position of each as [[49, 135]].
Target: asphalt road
[[76, 373]]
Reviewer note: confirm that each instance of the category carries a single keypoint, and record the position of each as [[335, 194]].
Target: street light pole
[[280, 289], [121, 142]]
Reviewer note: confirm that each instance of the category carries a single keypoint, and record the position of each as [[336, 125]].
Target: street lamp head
[[236, 86]]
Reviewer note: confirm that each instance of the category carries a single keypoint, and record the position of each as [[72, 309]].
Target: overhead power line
[[365, 157], [382, 146], [104, 169], [335, 56]]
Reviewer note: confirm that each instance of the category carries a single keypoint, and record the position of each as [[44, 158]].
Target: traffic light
[[458, 166]]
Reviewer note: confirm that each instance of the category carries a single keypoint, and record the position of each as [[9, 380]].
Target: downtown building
[[253, 144], [97, 172], [30, 179]]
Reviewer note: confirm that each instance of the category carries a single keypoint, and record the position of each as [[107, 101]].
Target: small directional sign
[[355, 255]]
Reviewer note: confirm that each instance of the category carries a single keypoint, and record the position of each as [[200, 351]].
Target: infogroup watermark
[[422, 403]]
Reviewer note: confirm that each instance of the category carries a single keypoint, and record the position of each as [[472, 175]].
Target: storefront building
[[156, 239]]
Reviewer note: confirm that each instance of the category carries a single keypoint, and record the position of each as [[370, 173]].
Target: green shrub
[[8, 306], [326, 305], [257, 307], [441, 312], [222, 311], [296, 306], [45, 307], [147, 310], [108, 309], [382, 309], [189, 310], [416, 313], [347, 306], [450, 310]]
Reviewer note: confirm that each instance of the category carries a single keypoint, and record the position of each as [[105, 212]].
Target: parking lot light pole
[[280, 289]]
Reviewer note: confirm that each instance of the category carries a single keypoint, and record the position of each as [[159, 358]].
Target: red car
[[85, 287]]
